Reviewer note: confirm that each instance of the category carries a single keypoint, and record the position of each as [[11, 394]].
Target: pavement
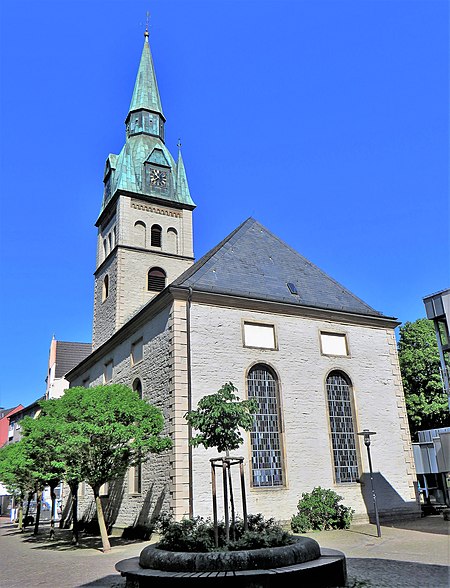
[[408, 554]]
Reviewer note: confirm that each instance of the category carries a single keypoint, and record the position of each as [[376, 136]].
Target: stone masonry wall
[[218, 356], [105, 310], [122, 507]]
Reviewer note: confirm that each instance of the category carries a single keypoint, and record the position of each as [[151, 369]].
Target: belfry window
[[267, 461], [105, 288], [342, 427], [156, 236], [156, 279]]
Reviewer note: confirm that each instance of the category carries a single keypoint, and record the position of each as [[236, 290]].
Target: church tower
[[145, 224]]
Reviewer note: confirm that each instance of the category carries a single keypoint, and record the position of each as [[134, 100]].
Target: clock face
[[158, 178]]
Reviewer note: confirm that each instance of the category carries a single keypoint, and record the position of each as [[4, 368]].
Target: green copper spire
[[146, 94], [183, 194]]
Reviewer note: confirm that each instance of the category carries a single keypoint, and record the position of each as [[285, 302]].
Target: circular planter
[[303, 550], [302, 563]]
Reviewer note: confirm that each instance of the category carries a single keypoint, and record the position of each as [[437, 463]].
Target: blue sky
[[326, 121]]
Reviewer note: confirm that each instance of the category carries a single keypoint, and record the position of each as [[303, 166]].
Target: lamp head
[[366, 434]]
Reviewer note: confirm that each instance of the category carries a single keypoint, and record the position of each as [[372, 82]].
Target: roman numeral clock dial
[[158, 178]]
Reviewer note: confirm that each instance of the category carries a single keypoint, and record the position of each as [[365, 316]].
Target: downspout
[[189, 383]]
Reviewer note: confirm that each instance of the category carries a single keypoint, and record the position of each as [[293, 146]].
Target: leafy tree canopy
[[107, 429], [15, 469], [426, 401], [219, 417]]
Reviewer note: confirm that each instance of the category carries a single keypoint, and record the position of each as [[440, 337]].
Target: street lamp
[[366, 433]]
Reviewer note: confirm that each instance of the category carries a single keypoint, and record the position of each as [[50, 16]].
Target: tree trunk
[[38, 512], [20, 514], [233, 511], [74, 493], [52, 514], [101, 521], [30, 497]]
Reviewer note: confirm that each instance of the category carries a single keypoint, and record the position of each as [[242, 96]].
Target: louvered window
[[156, 279], [156, 236], [267, 465], [342, 428]]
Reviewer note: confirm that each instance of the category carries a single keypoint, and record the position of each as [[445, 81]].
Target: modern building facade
[[437, 307], [322, 363]]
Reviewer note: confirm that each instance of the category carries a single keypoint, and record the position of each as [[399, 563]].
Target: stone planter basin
[[303, 563], [303, 550]]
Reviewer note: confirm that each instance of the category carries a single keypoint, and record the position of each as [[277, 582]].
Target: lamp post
[[366, 434]]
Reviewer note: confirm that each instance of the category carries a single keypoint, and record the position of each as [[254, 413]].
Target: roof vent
[[292, 288]]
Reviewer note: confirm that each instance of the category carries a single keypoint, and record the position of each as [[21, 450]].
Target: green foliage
[[15, 469], [43, 439], [197, 535], [426, 401], [321, 510], [219, 417], [106, 429]]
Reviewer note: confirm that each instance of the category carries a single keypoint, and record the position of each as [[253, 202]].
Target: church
[[321, 363]]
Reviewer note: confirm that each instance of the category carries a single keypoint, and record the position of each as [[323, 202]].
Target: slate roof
[[254, 263], [68, 355]]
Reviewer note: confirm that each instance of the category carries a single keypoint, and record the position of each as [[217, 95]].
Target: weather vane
[[179, 143], [146, 24]]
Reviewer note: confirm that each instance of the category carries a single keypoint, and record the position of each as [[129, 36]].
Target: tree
[[426, 401], [43, 439], [219, 418], [108, 429], [15, 474]]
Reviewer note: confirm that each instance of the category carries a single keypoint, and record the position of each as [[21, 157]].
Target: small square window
[[107, 372], [258, 335], [137, 351], [334, 344]]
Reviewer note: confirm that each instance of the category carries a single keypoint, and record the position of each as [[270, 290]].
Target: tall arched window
[[156, 236], [267, 463], [339, 392], [156, 279], [105, 288], [140, 233]]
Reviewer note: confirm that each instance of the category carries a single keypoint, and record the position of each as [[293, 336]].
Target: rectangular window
[[333, 344], [104, 489], [107, 372], [258, 335], [85, 383], [137, 351], [135, 479]]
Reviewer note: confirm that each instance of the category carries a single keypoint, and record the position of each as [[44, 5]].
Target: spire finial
[[179, 144], [146, 25]]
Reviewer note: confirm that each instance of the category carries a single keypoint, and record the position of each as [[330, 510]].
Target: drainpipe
[[189, 383]]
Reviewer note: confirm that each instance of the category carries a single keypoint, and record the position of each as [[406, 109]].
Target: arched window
[[137, 387], [105, 247], [156, 279], [339, 392], [105, 288], [267, 464], [156, 236], [172, 240], [140, 231]]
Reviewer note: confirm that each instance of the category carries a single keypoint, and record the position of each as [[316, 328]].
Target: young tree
[[43, 439], [15, 475], [426, 401], [108, 428], [219, 418]]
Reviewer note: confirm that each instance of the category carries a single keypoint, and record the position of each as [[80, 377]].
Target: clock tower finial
[[146, 26]]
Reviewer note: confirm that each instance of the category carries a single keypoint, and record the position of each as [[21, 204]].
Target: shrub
[[198, 535], [320, 510]]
